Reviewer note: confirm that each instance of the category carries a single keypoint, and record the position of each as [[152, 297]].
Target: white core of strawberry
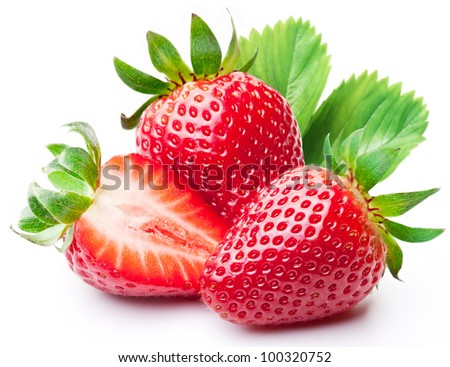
[[146, 224]]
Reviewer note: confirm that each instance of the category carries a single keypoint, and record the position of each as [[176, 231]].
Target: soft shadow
[[152, 302], [354, 314]]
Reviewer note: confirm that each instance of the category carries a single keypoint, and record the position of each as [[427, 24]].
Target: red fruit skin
[[106, 277], [138, 241], [296, 255], [231, 123]]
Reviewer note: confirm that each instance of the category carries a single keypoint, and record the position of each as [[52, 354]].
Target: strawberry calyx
[[206, 60], [74, 172], [366, 170]]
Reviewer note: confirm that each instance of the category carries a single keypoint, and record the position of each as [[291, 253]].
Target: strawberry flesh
[[138, 241]]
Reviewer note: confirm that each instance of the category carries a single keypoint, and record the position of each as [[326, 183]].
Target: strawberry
[[231, 125], [311, 245], [226, 132], [129, 229]]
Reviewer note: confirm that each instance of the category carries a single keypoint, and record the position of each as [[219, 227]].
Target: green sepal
[[393, 205], [67, 239], [90, 139], [394, 256], [47, 237], [131, 122], [64, 179], [65, 207], [138, 80], [330, 162], [50, 215], [341, 168], [57, 149], [293, 60], [371, 168], [327, 146], [411, 234], [78, 161], [28, 222], [37, 208], [248, 65], [233, 53], [206, 56], [166, 59], [349, 148]]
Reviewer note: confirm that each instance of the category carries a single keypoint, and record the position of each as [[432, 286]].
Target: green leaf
[[394, 256], [410, 234], [206, 56], [232, 57], [78, 161], [138, 80], [131, 122], [293, 60], [46, 237], [390, 119], [66, 180], [90, 139], [57, 149], [166, 59], [371, 168], [28, 222], [349, 148], [392, 205], [37, 208], [66, 207]]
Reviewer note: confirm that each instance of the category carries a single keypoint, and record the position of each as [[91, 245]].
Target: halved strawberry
[[137, 234]]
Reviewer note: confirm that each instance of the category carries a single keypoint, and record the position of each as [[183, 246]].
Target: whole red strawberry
[[128, 229], [310, 246], [225, 132]]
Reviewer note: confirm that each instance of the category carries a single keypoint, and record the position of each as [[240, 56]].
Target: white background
[[56, 67]]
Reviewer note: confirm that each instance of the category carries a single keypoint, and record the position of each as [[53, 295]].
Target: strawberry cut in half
[[128, 229], [226, 132]]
